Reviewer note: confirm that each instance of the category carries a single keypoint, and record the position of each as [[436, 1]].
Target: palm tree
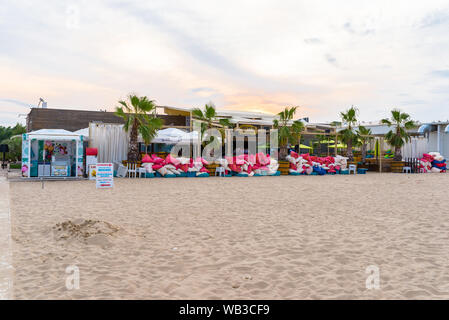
[[139, 115], [363, 135], [349, 118], [209, 119], [287, 133], [399, 136]]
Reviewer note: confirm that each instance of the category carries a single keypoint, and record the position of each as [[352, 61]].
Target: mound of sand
[[89, 231]]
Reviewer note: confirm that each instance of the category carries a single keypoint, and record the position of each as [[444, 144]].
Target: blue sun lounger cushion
[[149, 175], [319, 170]]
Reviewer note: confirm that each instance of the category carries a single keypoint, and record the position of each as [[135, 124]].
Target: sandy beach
[[282, 237]]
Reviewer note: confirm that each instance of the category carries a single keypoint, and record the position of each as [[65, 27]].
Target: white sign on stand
[[105, 175]]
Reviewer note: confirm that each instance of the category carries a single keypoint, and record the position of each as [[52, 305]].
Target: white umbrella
[[174, 135]]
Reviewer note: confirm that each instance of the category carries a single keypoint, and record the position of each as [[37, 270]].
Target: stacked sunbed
[[433, 162], [245, 165], [172, 167], [312, 165]]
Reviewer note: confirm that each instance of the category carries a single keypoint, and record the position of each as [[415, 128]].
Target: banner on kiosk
[[105, 175]]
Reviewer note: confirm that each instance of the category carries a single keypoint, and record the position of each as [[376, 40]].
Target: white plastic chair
[[406, 170], [121, 171], [132, 169], [221, 171], [352, 167], [142, 171]]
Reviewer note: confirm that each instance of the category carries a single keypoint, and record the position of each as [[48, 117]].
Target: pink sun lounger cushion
[[157, 166], [157, 159], [172, 160], [235, 167], [263, 159], [252, 158], [240, 160], [204, 170], [147, 159]]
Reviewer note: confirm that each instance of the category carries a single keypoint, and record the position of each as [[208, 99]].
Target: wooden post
[[380, 153], [335, 144]]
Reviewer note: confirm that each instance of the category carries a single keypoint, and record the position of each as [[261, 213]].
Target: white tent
[[84, 132], [52, 135]]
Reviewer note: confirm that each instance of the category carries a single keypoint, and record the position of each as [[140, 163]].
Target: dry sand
[[233, 238]]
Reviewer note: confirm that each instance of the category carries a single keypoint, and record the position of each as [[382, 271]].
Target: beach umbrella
[[174, 135]]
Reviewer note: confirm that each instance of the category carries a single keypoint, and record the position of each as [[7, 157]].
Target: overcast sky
[[323, 56]]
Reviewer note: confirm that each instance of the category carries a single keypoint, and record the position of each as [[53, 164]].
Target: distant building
[[73, 120]]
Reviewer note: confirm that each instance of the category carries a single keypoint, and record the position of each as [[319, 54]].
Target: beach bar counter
[[52, 153]]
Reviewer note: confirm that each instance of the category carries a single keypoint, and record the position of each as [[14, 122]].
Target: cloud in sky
[[248, 55]]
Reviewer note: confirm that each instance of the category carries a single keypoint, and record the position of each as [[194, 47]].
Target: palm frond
[[210, 112], [226, 123], [197, 113]]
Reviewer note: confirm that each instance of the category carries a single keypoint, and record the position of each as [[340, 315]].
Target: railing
[[413, 163]]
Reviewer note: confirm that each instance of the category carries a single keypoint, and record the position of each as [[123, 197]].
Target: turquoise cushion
[[170, 175], [294, 173], [241, 175], [203, 175], [149, 175], [278, 173]]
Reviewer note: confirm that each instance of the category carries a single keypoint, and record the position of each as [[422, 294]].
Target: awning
[[53, 134], [425, 128]]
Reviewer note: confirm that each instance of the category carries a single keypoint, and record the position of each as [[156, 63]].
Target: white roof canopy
[[54, 134]]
